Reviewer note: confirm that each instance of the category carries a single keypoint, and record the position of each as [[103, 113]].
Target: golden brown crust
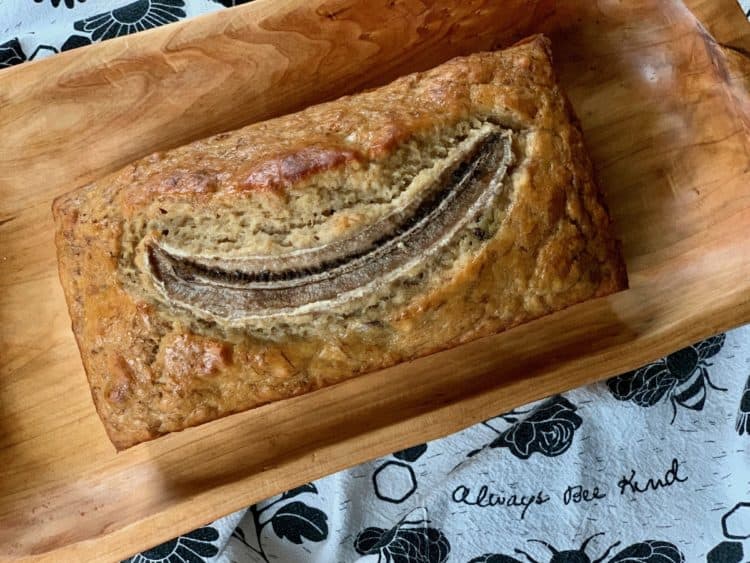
[[153, 371]]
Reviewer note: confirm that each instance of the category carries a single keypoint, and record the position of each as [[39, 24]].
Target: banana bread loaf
[[266, 262]]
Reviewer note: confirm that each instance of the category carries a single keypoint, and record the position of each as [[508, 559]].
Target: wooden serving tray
[[661, 89]]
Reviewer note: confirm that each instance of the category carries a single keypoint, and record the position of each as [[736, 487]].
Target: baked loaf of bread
[[269, 261]]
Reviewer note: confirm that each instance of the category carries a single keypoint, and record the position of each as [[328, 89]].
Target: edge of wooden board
[[488, 394]]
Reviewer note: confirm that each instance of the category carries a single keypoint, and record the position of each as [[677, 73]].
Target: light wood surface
[[666, 112]]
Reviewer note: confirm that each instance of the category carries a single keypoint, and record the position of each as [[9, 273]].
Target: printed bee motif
[[407, 542], [682, 377], [650, 551]]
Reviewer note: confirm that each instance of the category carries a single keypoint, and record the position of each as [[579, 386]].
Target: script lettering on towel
[[636, 485], [483, 498]]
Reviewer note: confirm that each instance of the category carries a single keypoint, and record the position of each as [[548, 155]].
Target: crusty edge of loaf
[[62, 226], [620, 280]]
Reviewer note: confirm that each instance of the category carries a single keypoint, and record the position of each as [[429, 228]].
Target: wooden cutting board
[[662, 93]]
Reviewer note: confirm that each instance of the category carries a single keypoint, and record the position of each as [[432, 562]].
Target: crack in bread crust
[[465, 183]]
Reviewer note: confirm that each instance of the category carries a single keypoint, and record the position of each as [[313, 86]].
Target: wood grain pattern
[[665, 110]]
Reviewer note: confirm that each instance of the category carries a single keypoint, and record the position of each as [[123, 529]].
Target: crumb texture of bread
[[273, 260]]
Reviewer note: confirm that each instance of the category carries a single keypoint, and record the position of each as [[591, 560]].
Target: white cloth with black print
[[652, 466], [32, 29]]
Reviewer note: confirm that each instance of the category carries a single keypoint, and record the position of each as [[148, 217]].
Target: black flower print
[[548, 430], [11, 53], [56, 3], [294, 521], [682, 377], [136, 16], [193, 547], [649, 551], [297, 521], [743, 412], [408, 542]]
